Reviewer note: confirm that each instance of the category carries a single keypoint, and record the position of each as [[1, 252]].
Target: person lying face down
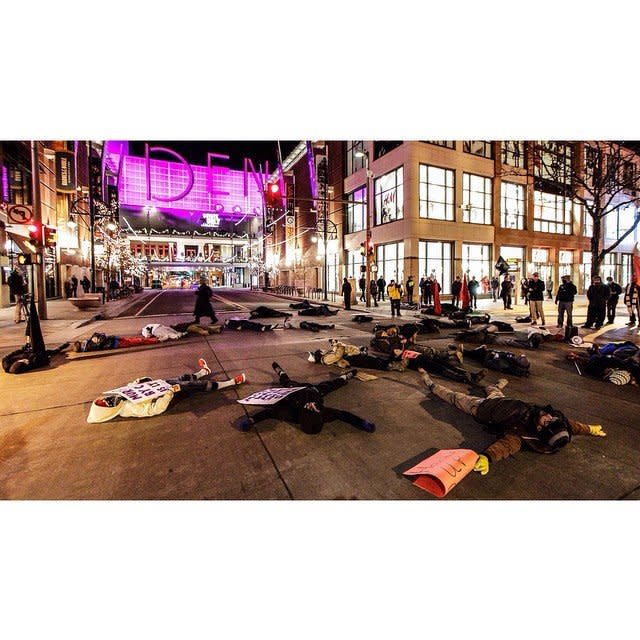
[[516, 423], [126, 404], [305, 406]]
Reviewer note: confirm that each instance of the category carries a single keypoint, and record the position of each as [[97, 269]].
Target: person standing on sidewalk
[[382, 283], [473, 292], [86, 284], [550, 288], [410, 286], [505, 292], [18, 289], [74, 287], [373, 289], [535, 289], [612, 301], [632, 300], [495, 288], [394, 291], [515, 422], [456, 288], [203, 303], [564, 299], [597, 294], [346, 293], [362, 284]]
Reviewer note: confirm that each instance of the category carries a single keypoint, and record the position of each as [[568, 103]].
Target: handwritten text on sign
[[143, 391], [269, 396]]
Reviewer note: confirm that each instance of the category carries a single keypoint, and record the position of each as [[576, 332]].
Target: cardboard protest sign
[[442, 471], [407, 354], [269, 396], [142, 391]]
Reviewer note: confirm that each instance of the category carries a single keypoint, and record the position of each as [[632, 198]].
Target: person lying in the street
[[268, 312], [305, 304], [516, 423], [199, 329], [248, 325], [320, 310], [102, 342], [315, 326], [434, 360], [25, 359], [146, 397], [615, 362], [305, 406], [530, 339], [503, 361], [162, 332]]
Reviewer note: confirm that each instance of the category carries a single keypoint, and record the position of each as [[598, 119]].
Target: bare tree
[[602, 177]]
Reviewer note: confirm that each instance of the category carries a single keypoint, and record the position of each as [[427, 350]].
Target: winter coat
[[566, 292], [536, 289], [598, 294]]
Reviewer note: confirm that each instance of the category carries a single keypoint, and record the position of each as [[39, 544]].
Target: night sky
[[196, 151]]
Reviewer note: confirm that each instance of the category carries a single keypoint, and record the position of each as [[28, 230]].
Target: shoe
[[460, 353], [276, 367], [598, 326], [502, 383], [452, 345], [587, 326], [311, 357], [202, 363], [239, 379], [533, 323], [610, 322], [631, 324], [367, 426], [349, 374], [428, 381]]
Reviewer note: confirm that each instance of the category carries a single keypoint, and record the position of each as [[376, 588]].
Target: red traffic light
[[273, 196], [274, 188], [35, 233]]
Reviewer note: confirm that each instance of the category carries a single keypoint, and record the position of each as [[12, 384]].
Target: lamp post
[[363, 153], [149, 210]]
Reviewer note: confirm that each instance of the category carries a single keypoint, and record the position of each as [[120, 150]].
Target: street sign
[[20, 214]]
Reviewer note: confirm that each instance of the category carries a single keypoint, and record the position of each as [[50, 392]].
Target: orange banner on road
[[442, 471]]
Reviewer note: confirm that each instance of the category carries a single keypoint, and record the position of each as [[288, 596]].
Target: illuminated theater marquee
[[179, 187]]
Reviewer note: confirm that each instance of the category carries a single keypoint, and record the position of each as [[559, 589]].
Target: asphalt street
[[196, 451]]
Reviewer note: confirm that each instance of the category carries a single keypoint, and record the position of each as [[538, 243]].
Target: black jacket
[[598, 294], [536, 289], [456, 287], [615, 289], [566, 292]]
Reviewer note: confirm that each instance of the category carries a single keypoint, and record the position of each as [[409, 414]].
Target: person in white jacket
[[162, 332], [146, 397]]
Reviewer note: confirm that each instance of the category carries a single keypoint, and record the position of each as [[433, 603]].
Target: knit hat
[[617, 376]]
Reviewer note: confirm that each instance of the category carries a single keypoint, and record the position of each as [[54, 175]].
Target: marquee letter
[[256, 176], [210, 173], [182, 194]]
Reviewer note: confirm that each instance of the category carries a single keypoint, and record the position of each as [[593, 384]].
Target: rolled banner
[[442, 471]]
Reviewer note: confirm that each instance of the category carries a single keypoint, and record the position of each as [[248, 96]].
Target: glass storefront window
[[482, 148], [447, 144], [390, 261], [437, 192], [476, 199], [356, 210], [389, 197], [552, 162], [354, 260], [551, 213], [476, 260], [512, 205], [434, 258]]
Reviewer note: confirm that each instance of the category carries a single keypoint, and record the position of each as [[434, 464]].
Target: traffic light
[[369, 247], [273, 196], [35, 233], [363, 250]]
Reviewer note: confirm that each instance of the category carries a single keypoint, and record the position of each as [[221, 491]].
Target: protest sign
[[442, 471], [269, 396], [142, 391]]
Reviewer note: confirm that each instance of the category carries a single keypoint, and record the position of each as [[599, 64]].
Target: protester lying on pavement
[[321, 310], [349, 355], [102, 342], [199, 329], [530, 339], [248, 325], [305, 406], [268, 312], [26, 359], [515, 422], [503, 361], [146, 397], [162, 332], [305, 304], [315, 326], [615, 362]]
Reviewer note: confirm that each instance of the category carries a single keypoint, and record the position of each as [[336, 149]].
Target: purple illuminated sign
[[5, 184], [180, 186]]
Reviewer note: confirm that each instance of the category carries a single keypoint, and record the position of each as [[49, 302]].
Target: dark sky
[[196, 151]]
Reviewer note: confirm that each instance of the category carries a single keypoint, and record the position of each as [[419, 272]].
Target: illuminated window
[[354, 163], [434, 258], [551, 213], [617, 222], [482, 148], [390, 261], [476, 199], [437, 192], [356, 210], [389, 197], [512, 205], [552, 162], [513, 152]]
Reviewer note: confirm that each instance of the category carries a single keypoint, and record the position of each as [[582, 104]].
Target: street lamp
[[149, 210], [363, 153]]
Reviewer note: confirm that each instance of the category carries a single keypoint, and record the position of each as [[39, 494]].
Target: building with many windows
[[446, 208]]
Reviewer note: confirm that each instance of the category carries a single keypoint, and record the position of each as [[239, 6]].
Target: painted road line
[[239, 307], [148, 303]]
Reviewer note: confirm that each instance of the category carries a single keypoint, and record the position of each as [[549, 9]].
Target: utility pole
[[39, 283]]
